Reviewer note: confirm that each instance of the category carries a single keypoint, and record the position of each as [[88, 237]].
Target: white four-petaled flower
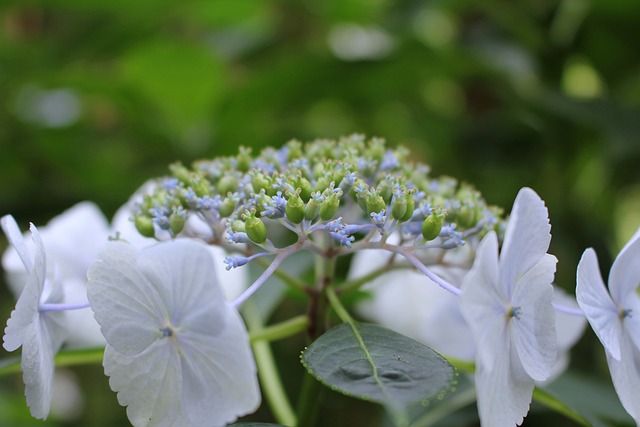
[[507, 302], [615, 317], [39, 334], [177, 353]]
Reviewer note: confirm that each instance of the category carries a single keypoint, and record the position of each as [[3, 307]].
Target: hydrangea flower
[[177, 353], [614, 317], [39, 333], [72, 241], [507, 302], [411, 304]]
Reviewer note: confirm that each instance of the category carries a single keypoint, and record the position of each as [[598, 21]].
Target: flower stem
[[311, 388], [265, 275], [272, 386], [280, 330], [64, 358]]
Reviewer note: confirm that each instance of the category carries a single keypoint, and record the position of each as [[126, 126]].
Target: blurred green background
[[98, 96]]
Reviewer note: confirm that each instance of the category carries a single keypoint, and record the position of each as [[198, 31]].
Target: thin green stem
[[280, 330], [311, 390], [63, 358], [272, 386]]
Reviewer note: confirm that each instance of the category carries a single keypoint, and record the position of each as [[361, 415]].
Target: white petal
[[219, 374], [182, 272], [631, 322], [74, 238], [128, 307], [625, 374], [37, 370], [625, 273], [149, 384], [14, 236], [504, 393], [483, 303], [526, 239], [533, 329], [26, 311], [42, 340], [595, 302]]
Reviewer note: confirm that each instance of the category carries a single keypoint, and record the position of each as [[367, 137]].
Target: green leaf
[[595, 401], [372, 363]]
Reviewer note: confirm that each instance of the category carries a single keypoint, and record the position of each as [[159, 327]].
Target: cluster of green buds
[[349, 189]]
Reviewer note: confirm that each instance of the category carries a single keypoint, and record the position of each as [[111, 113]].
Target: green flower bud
[[411, 206], [375, 203], [176, 222], [238, 226], [144, 225], [295, 208], [200, 185], [312, 209], [467, 216], [255, 228], [322, 184], [227, 184], [304, 185], [432, 226], [260, 182], [180, 172], [227, 208], [295, 150], [329, 206], [399, 206], [385, 189], [244, 159]]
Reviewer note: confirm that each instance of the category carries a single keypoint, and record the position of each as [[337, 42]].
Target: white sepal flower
[[72, 241], [39, 334], [507, 302], [177, 353], [615, 317]]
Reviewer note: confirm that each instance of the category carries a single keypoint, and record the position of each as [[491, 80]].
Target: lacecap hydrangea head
[[345, 188]]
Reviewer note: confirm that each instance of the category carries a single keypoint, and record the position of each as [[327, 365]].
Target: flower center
[[624, 313], [513, 312], [166, 332]]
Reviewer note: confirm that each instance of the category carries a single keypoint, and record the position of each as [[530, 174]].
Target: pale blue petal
[[483, 302], [624, 277], [526, 239], [625, 373], [26, 311], [504, 392], [183, 273], [125, 302], [42, 340], [74, 239], [149, 384], [219, 373], [533, 330], [15, 238], [631, 322], [595, 302]]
